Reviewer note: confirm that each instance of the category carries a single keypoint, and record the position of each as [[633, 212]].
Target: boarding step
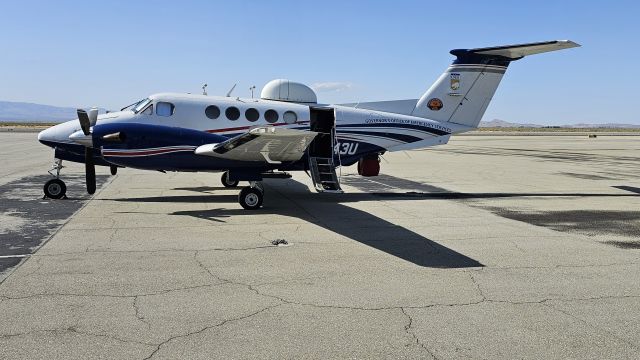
[[323, 175]]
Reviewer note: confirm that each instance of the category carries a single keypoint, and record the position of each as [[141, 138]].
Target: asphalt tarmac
[[496, 247]]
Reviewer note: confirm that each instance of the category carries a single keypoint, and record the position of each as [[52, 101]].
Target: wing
[[268, 144]]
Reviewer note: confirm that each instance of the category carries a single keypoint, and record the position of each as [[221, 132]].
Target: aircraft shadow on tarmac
[[358, 225], [329, 212]]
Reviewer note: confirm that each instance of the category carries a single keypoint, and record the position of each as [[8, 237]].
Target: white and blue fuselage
[[285, 130], [169, 127]]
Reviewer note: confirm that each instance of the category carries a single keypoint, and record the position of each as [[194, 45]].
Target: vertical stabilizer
[[462, 93]]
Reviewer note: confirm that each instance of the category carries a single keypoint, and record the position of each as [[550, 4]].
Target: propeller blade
[[85, 122], [90, 170], [93, 116]]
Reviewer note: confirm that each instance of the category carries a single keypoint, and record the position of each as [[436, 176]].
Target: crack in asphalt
[[161, 292], [417, 341], [477, 285], [559, 266], [591, 325], [74, 330], [139, 316], [222, 323], [170, 250], [281, 301]]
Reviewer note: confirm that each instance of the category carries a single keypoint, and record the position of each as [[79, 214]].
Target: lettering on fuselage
[[407, 121], [345, 148]]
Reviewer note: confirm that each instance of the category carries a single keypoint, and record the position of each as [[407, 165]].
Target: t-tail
[[462, 93]]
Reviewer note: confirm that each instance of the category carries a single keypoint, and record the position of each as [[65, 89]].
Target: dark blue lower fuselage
[[164, 148]]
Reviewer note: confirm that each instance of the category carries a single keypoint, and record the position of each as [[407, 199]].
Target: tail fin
[[463, 92]]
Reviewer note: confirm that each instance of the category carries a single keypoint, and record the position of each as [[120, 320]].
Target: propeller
[[89, 170], [87, 120]]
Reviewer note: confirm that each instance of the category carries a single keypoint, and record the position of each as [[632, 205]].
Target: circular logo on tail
[[435, 104]]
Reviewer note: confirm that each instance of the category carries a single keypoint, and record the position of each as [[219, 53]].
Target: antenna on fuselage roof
[[251, 89], [230, 91], [204, 89]]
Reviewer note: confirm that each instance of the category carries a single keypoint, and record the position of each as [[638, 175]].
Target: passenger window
[[148, 110], [252, 114], [212, 112], [271, 116], [290, 117], [232, 113], [164, 109]]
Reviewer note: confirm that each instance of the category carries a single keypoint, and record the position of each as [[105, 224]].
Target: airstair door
[[321, 165]]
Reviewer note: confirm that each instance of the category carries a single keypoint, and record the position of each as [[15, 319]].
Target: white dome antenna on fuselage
[[288, 91]]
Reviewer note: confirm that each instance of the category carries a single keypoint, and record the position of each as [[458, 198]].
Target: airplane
[[285, 130]]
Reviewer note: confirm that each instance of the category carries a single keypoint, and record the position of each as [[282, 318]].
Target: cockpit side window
[[148, 110], [164, 108]]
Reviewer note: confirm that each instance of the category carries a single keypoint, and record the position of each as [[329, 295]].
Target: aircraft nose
[[45, 135], [58, 134]]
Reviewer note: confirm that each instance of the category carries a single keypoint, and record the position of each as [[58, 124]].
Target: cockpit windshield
[[137, 106], [141, 105]]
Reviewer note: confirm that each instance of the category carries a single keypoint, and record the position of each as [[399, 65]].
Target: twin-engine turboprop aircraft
[[285, 130]]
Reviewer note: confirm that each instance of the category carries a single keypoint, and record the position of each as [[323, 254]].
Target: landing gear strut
[[55, 188], [251, 197], [228, 182]]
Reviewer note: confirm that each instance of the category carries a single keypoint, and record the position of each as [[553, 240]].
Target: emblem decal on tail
[[435, 104], [455, 81]]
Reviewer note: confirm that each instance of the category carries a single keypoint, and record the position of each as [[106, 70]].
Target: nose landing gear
[[55, 188]]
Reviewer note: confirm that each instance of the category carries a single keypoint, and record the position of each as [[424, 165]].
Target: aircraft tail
[[462, 93]]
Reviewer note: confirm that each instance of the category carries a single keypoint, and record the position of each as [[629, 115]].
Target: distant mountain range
[[28, 112], [502, 123]]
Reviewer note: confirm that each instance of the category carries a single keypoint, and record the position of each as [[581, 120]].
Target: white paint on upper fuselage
[[189, 112]]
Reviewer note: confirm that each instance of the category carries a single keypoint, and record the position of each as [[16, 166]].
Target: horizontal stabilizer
[[404, 107], [518, 51]]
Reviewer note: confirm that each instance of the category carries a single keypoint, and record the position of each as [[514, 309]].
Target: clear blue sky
[[111, 53]]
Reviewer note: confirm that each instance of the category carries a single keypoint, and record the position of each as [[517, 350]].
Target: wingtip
[[570, 43]]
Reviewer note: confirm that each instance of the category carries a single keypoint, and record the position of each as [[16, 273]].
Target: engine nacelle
[[369, 166]]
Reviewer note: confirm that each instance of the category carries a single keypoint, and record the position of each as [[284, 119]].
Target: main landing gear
[[251, 196], [55, 188]]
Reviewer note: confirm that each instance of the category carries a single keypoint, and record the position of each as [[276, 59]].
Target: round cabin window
[[212, 112], [252, 114], [232, 113], [290, 117], [271, 116]]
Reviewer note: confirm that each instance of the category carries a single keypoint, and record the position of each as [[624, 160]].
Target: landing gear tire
[[55, 189], [251, 198], [114, 169], [228, 182]]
